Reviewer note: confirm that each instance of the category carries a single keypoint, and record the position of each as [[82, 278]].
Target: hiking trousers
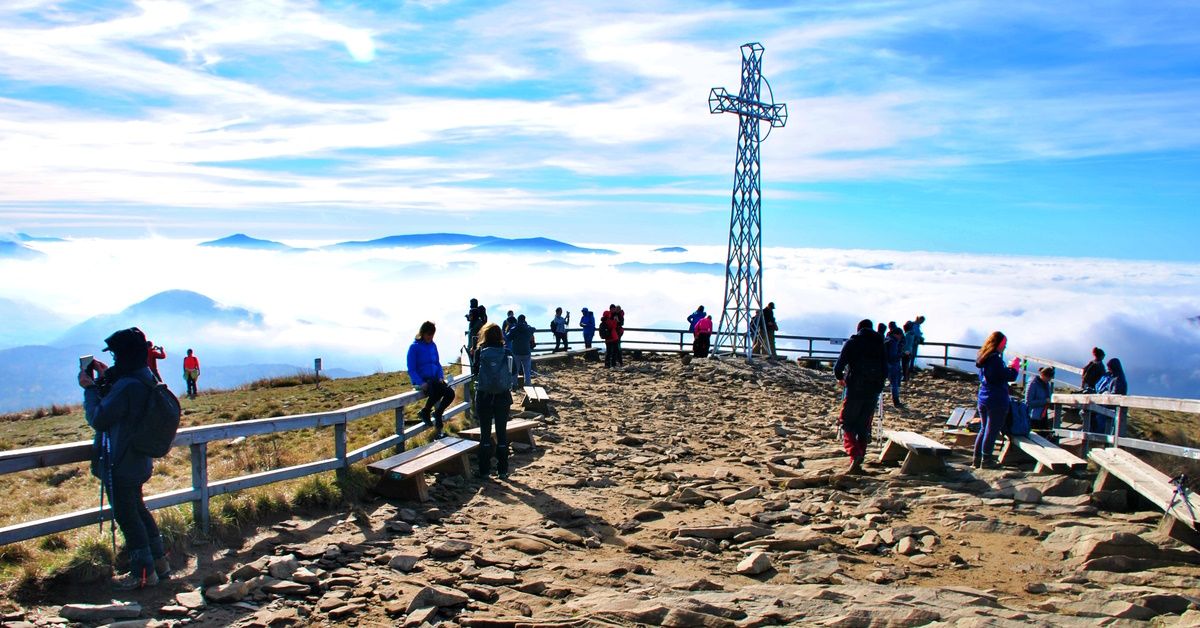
[[491, 410], [856, 425], [129, 509]]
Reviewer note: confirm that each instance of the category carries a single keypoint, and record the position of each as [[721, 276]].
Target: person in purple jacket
[[994, 402], [425, 372]]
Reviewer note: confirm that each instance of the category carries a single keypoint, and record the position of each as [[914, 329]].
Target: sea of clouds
[[359, 309]]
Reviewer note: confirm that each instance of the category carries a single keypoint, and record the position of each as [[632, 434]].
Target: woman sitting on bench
[[1037, 398]]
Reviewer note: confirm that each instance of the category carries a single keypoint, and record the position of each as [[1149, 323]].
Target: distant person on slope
[[695, 317], [587, 321], [1037, 397], [476, 317], [558, 327], [703, 337], [113, 401], [771, 327], [994, 402], [493, 398], [1093, 371], [860, 369], [191, 373], [520, 340], [153, 355], [425, 372]]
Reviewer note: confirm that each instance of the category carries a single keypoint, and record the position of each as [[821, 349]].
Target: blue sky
[[1027, 128]]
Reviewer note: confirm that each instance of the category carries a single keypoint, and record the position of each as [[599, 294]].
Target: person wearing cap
[[587, 322], [112, 401]]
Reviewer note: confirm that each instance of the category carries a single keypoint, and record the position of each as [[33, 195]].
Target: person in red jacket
[[153, 355], [613, 322], [703, 336], [191, 373]]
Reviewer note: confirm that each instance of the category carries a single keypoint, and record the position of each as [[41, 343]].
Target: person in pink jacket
[[702, 336]]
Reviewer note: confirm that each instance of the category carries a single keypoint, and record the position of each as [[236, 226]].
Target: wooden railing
[[197, 438], [1116, 407]]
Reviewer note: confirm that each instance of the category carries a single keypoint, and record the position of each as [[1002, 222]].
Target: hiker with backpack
[[558, 327], [426, 374], [130, 412], [860, 370], [994, 401], [520, 340], [493, 398], [587, 322]]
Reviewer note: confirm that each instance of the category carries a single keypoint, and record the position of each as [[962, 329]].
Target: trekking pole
[[1180, 482], [100, 513]]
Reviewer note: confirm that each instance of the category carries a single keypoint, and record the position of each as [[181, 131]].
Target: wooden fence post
[[339, 448], [400, 429], [200, 516]]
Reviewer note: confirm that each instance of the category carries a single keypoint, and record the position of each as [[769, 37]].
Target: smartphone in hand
[[85, 363]]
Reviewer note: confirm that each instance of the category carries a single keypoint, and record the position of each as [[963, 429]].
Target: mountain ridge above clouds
[[243, 241], [10, 249], [480, 244], [170, 311]]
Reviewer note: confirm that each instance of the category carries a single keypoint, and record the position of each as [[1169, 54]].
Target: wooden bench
[[919, 454], [956, 426], [404, 473], [1120, 469], [1050, 458], [519, 431], [536, 399]]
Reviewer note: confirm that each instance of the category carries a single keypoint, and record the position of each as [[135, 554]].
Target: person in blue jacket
[[1037, 397], [425, 372], [1111, 383], [994, 402], [520, 341], [587, 322], [112, 403], [695, 317]]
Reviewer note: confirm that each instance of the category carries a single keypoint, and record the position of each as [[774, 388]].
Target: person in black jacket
[[1093, 371], [860, 368], [112, 402]]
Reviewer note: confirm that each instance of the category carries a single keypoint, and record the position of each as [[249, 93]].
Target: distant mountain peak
[[671, 249], [243, 241], [416, 240], [16, 250]]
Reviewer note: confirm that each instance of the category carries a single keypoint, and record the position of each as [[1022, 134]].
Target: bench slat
[[1153, 484], [434, 458], [513, 426], [914, 441], [382, 466]]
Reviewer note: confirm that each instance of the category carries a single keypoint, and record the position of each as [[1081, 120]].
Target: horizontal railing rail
[[1116, 407], [196, 438]]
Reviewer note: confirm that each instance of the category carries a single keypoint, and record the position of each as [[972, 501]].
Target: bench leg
[[1040, 468], [412, 488], [892, 452], [921, 463], [523, 436], [1106, 481], [964, 440], [1010, 453], [1173, 528]]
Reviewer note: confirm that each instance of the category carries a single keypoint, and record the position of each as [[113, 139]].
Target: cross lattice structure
[[742, 328]]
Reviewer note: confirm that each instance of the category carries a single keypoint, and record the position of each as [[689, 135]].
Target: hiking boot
[[975, 461], [988, 462], [439, 435], [855, 467], [503, 475], [141, 572], [162, 566], [424, 416]]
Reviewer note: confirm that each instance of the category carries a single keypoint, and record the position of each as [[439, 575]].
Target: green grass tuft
[[318, 492]]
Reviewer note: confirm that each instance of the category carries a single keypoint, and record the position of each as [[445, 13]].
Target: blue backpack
[[1019, 424], [494, 375]]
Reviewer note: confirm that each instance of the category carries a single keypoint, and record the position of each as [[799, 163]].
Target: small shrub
[[39, 413], [225, 415], [244, 415], [271, 504], [15, 554], [299, 379], [53, 543], [177, 528], [355, 483], [92, 560], [57, 410], [317, 492]]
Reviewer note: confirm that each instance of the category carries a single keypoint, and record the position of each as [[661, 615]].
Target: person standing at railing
[[476, 317], [1113, 382], [426, 374], [611, 331], [894, 350], [918, 340], [860, 370], [587, 322], [994, 402], [509, 323], [910, 349], [1092, 371], [520, 340], [771, 327], [703, 337], [558, 327], [695, 317], [493, 398], [1037, 397], [113, 402]]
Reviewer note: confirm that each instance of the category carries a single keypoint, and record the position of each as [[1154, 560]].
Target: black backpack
[[605, 332], [868, 375], [154, 431], [494, 376]]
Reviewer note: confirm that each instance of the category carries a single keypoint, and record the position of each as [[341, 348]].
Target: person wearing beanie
[[113, 397]]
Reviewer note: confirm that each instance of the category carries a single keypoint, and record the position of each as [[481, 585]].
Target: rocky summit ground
[[704, 494]]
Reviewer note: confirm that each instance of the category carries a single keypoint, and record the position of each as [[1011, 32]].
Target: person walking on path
[[113, 401], [587, 322], [191, 373], [994, 402], [559, 327], [771, 327], [703, 337], [860, 370], [153, 355], [695, 317], [894, 350], [425, 372], [520, 341], [1037, 397], [476, 317], [493, 398], [1093, 371]]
